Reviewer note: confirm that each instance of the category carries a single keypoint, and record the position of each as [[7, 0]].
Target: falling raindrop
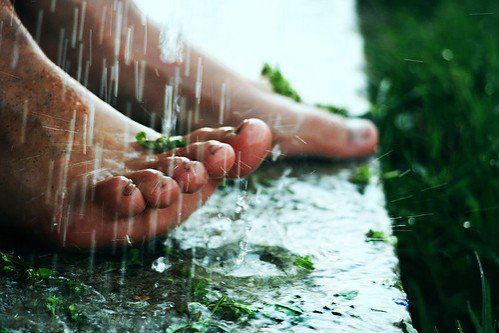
[[60, 51], [199, 86], [90, 42], [52, 5], [167, 119], [90, 125], [39, 23], [102, 25], [82, 20], [80, 60], [1, 34], [118, 27], [87, 72], [144, 24], [75, 28], [48, 192], [139, 77], [187, 68], [91, 257], [128, 45], [223, 97], [15, 52], [103, 81], [24, 121]]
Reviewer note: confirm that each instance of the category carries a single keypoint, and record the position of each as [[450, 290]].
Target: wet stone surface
[[297, 247]]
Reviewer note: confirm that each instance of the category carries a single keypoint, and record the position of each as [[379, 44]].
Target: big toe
[[331, 137], [362, 137], [251, 142]]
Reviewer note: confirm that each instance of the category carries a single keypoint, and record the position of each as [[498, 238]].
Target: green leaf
[[75, 315], [75, 287], [230, 309], [54, 304], [376, 236], [141, 139], [161, 144], [279, 84], [289, 309], [304, 262], [199, 289], [44, 273], [361, 176], [333, 109]]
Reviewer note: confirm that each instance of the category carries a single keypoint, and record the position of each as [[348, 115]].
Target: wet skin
[[71, 172], [298, 128]]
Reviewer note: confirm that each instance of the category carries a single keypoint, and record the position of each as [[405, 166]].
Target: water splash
[[171, 43], [167, 119]]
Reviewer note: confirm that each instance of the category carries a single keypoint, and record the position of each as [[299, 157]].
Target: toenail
[[214, 147], [359, 130], [129, 188]]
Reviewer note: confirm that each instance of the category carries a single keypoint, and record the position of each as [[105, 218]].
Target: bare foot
[[134, 48], [72, 173]]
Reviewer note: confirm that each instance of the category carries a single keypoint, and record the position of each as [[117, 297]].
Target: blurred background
[[316, 44], [433, 71], [427, 72]]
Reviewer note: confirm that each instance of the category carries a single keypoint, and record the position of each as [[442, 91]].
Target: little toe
[[120, 196], [158, 190], [217, 157]]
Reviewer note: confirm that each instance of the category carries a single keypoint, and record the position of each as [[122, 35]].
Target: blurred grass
[[433, 68]]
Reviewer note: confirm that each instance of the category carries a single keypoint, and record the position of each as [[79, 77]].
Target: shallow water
[[245, 242]]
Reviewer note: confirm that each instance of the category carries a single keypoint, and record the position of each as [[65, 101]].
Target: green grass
[[433, 68]]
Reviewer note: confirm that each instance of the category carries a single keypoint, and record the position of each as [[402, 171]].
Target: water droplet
[[161, 264], [447, 54]]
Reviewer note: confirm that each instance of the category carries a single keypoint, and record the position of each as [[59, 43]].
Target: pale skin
[[73, 174]]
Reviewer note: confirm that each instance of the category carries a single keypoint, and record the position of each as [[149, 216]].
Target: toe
[[362, 137], [158, 190], [120, 196], [218, 158], [191, 176], [251, 142]]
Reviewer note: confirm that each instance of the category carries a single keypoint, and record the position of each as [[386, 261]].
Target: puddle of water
[[243, 245]]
